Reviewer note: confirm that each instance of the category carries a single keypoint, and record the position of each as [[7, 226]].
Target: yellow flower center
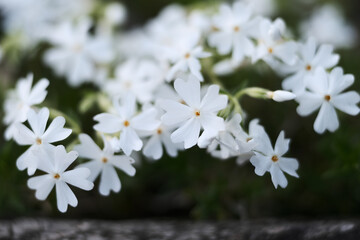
[[104, 160], [197, 113], [236, 29], [38, 141], [187, 55], [327, 97], [270, 50], [56, 176], [275, 158], [126, 123], [308, 67], [159, 131]]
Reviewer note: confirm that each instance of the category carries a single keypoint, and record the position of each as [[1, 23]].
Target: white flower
[[34, 25], [103, 162], [325, 92], [38, 137], [225, 67], [233, 27], [263, 7], [224, 145], [247, 141], [128, 122], [137, 77], [55, 161], [159, 137], [76, 53], [269, 159], [328, 25], [281, 96], [195, 114], [271, 45], [20, 100], [310, 57], [185, 55]]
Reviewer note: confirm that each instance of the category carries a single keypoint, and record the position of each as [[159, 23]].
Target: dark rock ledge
[[39, 229]]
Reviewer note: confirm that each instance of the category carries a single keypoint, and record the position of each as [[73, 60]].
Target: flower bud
[[280, 95]]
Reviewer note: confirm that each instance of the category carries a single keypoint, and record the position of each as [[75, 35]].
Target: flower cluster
[[163, 90]]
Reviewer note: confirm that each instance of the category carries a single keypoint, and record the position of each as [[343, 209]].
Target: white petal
[[63, 159], [42, 184], [277, 176], [347, 102], [189, 91], [23, 135], [129, 141], [281, 145], [212, 101], [326, 119], [308, 49], [78, 178], [38, 92], [88, 148], [95, 166], [109, 181], [146, 121], [170, 147], [286, 52], [261, 163], [64, 196], [187, 133], [195, 67], [128, 106], [318, 83], [56, 131], [295, 82], [289, 165], [338, 82], [212, 123], [309, 102], [124, 163], [325, 57], [175, 112], [38, 120], [108, 123], [263, 142], [153, 148]]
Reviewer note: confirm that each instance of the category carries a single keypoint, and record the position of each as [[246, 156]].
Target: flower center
[[236, 29], [214, 28], [187, 55], [38, 141], [327, 97], [77, 47], [159, 131], [275, 158], [197, 113], [248, 139], [104, 160], [308, 67], [270, 50], [126, 123], [182, 102], [56, 176], [127, 84]]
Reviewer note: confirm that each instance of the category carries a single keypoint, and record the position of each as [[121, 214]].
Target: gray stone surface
[[39, 229]]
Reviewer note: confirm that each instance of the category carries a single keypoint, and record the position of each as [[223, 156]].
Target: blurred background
[[194, 185]]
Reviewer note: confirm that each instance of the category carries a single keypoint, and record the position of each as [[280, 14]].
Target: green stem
[[254, 92]]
